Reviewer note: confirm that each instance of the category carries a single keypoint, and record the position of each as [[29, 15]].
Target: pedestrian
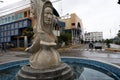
[[108, 45], [3, 47]]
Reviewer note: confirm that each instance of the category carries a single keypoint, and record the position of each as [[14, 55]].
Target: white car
[[98, 45]]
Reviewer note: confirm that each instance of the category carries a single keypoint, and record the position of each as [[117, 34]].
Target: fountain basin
[[83, 69]]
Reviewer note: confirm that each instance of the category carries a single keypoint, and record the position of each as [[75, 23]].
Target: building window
[[56, 28], [13, 18], [5, 27], [25, 14], [25, 23], [16, 25], [12, 32], [2, 34], [73, 24], [16, 31], [20, 24], [8, 27], [8, 33], [5, 39], [16, 16], [8, 19], [1, 28], [0, 21], [8, 39], [5, 34], [20, 15], [12, 26], [1, 39], [5, 20], [29, 12]]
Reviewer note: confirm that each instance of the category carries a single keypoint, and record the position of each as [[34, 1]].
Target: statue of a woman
[[43, 54]]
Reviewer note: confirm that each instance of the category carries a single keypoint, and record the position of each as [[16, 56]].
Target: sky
[[96, 15]]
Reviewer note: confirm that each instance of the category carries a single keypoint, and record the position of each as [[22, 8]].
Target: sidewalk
[[10, 56], [114, 47]]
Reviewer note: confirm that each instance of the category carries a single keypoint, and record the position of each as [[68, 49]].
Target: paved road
[[10, 56], [95, 54], [81, 51]]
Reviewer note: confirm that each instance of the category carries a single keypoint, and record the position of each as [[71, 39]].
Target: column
[[25, 41], [18, 42], [72, 36]]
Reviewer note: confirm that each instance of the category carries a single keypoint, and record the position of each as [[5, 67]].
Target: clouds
[[96, 15]]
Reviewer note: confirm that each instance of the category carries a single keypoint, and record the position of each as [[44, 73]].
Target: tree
[[65, 37], [118, 34], [28, 32]]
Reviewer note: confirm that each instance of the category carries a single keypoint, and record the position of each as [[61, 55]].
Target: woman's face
[[48, 15]]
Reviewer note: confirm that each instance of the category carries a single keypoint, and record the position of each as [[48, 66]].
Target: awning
[[55, 12], [60, 23]]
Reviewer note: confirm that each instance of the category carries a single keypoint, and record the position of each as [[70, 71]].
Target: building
[[93, 36], [14, 19], [74, 26]]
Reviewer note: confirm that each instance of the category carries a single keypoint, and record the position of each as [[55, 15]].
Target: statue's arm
[[35, 46]]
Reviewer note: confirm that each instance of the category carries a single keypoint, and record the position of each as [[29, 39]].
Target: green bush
[[65, 37]]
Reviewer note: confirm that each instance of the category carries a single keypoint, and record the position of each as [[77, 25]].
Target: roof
[[19, 6], [14, 7]]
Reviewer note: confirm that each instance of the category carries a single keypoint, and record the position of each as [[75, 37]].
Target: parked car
[[98, 45]]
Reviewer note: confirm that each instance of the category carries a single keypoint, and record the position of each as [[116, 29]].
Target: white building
[[93, 36]]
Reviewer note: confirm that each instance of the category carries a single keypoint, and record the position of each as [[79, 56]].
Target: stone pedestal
[[61, 72]]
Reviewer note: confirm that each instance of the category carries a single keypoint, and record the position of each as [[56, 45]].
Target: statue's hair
[[37, 6]]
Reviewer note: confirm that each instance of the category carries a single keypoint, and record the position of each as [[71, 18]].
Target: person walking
[[3, 47]]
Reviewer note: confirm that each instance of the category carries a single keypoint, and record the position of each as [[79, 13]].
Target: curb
[[68, 48], [113, 49]]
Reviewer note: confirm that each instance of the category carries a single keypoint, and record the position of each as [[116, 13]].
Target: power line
[[22, 6], [14, 8]]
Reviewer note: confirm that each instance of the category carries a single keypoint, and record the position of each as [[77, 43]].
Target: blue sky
[[96, 15]]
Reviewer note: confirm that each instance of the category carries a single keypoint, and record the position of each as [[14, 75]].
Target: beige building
[[73, 24]]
